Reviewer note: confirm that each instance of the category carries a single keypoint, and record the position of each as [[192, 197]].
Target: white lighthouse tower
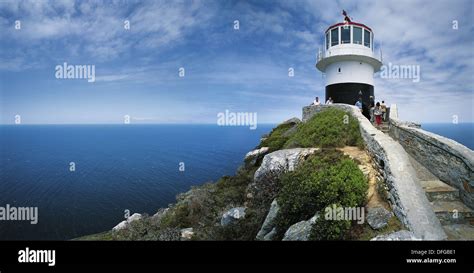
[[349, 63]]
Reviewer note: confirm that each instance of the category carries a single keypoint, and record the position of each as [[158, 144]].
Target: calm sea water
[[461, 132], [134, 167]]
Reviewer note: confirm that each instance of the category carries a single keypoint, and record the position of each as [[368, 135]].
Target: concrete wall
[[450, 161], [407, 198]]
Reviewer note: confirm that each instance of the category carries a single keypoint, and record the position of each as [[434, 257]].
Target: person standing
[[383, 108], [378, 114], [316, 101], [358, 104], [371, 108], [329, 101]]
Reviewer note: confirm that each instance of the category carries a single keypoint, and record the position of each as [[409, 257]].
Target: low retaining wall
[[450, 161], [407, 198]]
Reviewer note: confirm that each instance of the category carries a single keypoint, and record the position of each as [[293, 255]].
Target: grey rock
[[301, 230], [378, 217], [125, 223], [232, 215], [278, 162], [294, 120], [252, 156], [256, 152], [401, 235], [269, 223], [270, 236], [186, 233]]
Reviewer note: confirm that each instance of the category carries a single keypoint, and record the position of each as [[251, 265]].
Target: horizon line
[[13, 124]]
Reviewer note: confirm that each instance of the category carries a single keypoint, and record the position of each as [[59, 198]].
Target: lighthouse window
[[334, 36], [345, 35], [357, 35], [366, 38]]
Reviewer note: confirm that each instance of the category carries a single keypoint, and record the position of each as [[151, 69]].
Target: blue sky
[[243, 70]]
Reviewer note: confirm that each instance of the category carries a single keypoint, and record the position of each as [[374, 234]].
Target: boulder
[[278, 162], [293, 121], [378, 217], [267, 231], [233, 215], [301, 230], [256, 152], [186, 234], [401, 235], [270, 236], [125, 223], [253, 156]]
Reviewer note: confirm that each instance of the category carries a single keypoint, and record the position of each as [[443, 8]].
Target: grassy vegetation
[[103, 236], [277, 137], [327, 177], [328, 129]]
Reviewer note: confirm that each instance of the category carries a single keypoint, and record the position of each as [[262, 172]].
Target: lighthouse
[[348, 62]]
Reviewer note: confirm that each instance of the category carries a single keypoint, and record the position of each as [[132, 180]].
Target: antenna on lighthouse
[[346, 17]]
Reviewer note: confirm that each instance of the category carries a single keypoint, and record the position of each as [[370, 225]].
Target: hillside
[[283, 191]]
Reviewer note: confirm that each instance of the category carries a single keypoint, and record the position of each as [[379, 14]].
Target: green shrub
[[325, 178], [276, 138], [329, 229], [330, 128]]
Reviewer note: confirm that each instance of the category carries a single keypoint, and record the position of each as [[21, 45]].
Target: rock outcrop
[[125, 223], [254, 156], [186, 234], [300, 231], [267, 231], [233, 215], [378, 217], [294, 125], [278, 162]]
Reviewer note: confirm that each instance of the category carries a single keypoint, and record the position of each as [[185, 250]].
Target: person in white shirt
[[316, 101], [329, 101]]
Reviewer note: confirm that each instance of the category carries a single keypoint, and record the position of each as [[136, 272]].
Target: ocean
[[117, 168], [461, 132]]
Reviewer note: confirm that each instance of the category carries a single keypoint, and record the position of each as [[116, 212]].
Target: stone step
[[459, 231], [452, 212], [438, 190]]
